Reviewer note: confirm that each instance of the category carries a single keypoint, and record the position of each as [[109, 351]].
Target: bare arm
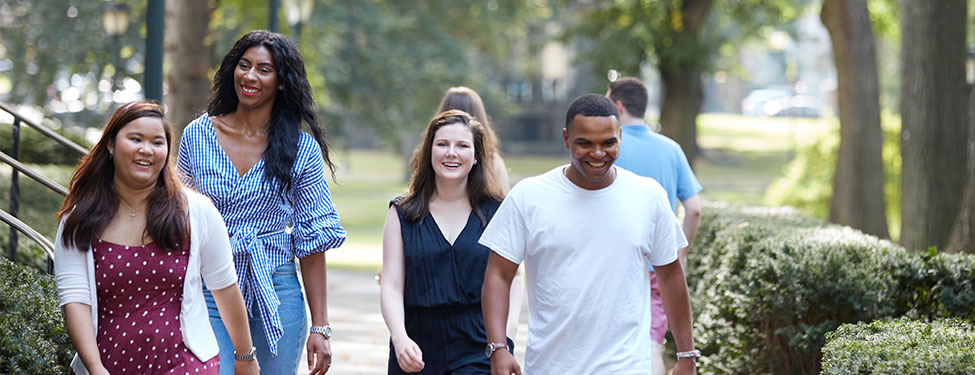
[[692, 218], [77, 318], [234, 315], [515, 302], [677, 307], [408, 353], [495, 297], [314, 278]]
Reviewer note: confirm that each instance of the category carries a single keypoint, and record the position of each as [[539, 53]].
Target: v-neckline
[[467, 223], [216, 140]]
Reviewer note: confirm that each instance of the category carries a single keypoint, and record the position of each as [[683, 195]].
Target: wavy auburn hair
[[292, 104], [416, 202], [94, 200]]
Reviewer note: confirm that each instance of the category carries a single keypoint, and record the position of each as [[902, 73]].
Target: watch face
[[489, 350], [328, 332]]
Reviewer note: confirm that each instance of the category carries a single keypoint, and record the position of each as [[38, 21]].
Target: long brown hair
[[467, 100], [416, 203], [94, 200]]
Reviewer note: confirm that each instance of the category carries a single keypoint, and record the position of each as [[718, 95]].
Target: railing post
[[14, 188]]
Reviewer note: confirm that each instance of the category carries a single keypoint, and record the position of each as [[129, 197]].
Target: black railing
[[14, 161]]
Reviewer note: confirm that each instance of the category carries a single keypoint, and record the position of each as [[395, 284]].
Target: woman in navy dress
[[433, 266]]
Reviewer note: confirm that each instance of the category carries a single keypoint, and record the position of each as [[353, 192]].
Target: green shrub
[[807, 181], [38, 209], [36, 148], [768, 284], [33, 339], [901, 347]]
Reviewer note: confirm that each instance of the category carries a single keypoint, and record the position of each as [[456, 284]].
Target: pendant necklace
[[130, 208]]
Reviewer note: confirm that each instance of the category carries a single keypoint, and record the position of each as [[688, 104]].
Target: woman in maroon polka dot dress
[[131, 250]]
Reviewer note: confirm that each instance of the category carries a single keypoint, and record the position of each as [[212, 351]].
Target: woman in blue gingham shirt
[[267, 178]]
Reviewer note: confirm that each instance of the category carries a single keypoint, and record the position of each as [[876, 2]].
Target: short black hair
[[632, 93], [591, 105]]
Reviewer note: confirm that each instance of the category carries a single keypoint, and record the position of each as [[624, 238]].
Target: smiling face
[[139, 152], [593, 144], [255, 80], [452, 152]]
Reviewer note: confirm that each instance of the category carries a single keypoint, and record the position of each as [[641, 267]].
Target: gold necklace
[[134, 210]]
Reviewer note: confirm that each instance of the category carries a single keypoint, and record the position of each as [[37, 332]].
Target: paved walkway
[[360, 341]]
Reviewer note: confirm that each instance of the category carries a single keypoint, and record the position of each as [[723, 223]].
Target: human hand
[[408, 355], [100, 370], [503, 363], [247, 367], [685, 366], [319, 354]]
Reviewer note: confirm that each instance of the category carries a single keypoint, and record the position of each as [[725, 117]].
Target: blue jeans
[[293, 319]]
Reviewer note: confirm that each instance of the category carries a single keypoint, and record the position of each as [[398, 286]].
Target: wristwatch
[[693, 354], [246, 357], [322, 330], [493, 346]]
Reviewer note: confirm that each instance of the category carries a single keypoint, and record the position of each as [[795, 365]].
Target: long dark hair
[[94, 200], [416, 203], [292, 104]]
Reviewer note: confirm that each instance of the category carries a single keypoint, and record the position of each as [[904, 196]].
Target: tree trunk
[[934, 104], [188, 51], [681, 102], [858, 185], [963, 235], [681, 90]]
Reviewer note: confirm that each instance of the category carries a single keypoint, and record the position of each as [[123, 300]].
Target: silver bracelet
[[691, 354]]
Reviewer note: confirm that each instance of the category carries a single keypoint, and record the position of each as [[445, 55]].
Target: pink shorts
[[658, 322]]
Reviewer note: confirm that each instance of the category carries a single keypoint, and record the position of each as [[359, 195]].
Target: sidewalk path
[[360, 340]]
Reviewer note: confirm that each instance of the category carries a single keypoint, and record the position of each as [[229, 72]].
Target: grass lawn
[[743, 155]]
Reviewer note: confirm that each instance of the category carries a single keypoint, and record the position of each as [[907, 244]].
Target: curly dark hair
[[591, 105], [292, 104]]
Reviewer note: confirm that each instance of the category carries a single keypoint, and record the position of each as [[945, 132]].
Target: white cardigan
[[210, 257]]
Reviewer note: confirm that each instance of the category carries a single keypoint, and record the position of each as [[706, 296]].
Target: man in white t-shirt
[[585, 232]]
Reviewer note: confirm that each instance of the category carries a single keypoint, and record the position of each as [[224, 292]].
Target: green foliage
[[385, 65], [629, 34], [37, 149], [33, 339], [59, 50], [768, 284], [38, 206], [901, 347], [807, 181]]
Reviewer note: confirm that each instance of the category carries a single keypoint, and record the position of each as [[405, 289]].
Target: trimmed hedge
[[33, 339], [768, 284], [901, 347]]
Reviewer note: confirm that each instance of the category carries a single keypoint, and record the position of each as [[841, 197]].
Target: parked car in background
[[800, 106], [780, 102], [765, 101]]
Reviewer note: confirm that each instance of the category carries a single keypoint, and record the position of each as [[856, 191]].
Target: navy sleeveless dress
[[442, 294]]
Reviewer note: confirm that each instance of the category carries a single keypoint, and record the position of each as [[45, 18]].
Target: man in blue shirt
[[647, 153]]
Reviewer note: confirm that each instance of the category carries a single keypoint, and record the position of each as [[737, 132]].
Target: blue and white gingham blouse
[[266, 229]]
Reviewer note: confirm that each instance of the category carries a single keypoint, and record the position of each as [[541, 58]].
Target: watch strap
[[324, 330], [250, 356]]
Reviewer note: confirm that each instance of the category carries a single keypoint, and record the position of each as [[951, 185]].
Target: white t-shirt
[[585, 255]]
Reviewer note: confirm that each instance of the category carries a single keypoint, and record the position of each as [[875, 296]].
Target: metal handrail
[[51, 184], [11, 217], [46, 131], [33, 235]]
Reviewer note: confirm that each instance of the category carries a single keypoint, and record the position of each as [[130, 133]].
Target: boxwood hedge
[[33, 339], [901, 347], [768, 284]]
